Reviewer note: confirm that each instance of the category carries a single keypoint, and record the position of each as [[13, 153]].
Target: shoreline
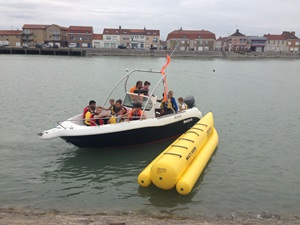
[[192, 54], [14, 216], [90, 52]]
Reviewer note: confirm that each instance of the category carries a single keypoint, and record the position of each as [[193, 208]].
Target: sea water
[[255, 168]]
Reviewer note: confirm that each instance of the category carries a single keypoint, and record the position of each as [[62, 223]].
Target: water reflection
[[110, 175]]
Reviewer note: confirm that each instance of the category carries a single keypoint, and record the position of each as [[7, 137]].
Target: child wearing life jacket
[[136, 113], [170, 105], [181, 105], [98, 117]]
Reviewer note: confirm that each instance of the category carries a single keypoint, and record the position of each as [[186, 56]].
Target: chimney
[[120, 27], [293, 33]]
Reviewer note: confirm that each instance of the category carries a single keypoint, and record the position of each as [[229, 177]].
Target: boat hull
[[137, 136]]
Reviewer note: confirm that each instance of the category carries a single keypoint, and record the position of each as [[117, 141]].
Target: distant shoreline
[[147, 53], [190, 54]]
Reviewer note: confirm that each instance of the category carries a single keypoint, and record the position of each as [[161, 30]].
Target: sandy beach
[[24, 217]]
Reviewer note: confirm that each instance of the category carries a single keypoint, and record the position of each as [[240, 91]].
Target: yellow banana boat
[[186, 183], [168, 168]]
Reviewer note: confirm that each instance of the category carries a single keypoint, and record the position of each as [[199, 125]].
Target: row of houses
[[184, 40], [285, 42]]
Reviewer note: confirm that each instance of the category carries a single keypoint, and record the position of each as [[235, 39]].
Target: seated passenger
[[119, 105], [146, 87], [181, 105], [99, 118], [111, 107], [170, 106], [118, 117], [91, 103], [136, 113], [138, 86], [88, 115]]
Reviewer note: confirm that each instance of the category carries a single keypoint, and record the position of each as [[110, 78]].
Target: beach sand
[[26, 217]]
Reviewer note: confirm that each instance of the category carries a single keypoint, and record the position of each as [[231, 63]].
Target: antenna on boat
[[174, 49]]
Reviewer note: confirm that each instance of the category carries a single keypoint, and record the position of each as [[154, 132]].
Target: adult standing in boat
[[138, 86], [86, 109], [170, 105]]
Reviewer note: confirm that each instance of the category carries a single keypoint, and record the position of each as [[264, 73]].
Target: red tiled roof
[[289, 35], [274, 37], [41, 26], [113, 31], [98, 37], [191, 34], [10, 32], [221, 39], [34, 26], [80, 29]]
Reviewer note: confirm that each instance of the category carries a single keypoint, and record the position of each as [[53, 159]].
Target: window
[[289, 43], [108, 37], [297, 43], [114, 37], [155, 40]]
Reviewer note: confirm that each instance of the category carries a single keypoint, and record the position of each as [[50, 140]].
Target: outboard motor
[[190, 101]]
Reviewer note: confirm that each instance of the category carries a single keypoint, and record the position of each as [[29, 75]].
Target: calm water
[[256, 167]]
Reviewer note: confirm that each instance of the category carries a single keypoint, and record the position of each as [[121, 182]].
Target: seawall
[[146, 53], [204, 54]]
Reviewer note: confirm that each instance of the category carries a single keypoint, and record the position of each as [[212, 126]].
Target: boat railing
[[63, 112]]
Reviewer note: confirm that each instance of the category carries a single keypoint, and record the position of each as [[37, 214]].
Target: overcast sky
[[222, 17]]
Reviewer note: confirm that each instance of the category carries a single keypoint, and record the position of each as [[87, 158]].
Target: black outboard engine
[[190, 101]]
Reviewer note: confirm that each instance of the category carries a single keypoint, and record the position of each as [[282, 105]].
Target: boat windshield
[[132, 98]]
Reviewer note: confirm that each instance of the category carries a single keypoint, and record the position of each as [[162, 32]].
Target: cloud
[[218, 16]]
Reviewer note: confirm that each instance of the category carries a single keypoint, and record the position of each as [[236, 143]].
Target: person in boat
[[99, 118], [136, 113], [181, 105], [138, 86], [92, 103], [118, 117], [111, 107], [146, 87], [170, 105], [119, 105], [89, 114]]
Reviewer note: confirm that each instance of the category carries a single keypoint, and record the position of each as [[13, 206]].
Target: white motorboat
[[152, 128]]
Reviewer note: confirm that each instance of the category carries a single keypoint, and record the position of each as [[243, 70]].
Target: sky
[[222, 17]]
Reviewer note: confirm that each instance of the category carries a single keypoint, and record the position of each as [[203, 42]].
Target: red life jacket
[[135, 115], [95, 122]]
